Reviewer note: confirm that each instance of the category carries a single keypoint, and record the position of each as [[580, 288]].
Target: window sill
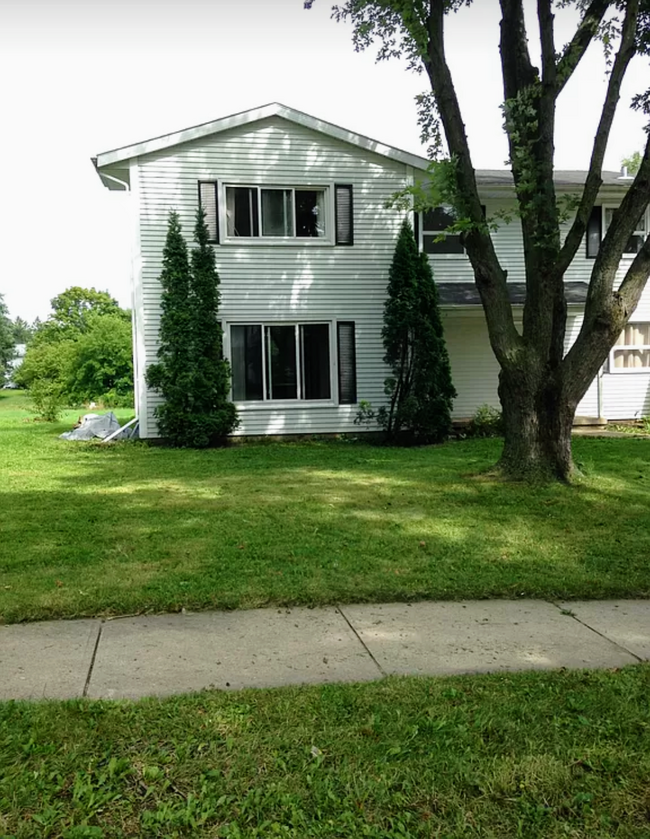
[[285, 404], [272, 241], [622, 371], [454, 257]]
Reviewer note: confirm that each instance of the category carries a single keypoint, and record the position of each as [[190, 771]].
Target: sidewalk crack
[[339, 609], [572, 614], [92, 660]]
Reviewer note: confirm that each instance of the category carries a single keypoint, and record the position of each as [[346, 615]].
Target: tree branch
[[593, 181], [518, 71], [606, 311], [546, 19], [580, 42], [489, 275]]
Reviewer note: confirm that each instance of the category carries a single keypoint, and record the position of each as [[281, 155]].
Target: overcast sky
[[84, 77]]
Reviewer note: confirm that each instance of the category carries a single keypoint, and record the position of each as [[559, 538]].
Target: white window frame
[[260, 240], [641, 231], [428, 234], [299, 401], [617, 348]]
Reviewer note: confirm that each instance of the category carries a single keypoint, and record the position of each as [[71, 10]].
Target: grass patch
[[90, 529], [529, 754]]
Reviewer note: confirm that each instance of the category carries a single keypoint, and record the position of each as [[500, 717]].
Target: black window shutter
[[416, 228], [594, 232], [209, 201], [344, 214], [347, 359]]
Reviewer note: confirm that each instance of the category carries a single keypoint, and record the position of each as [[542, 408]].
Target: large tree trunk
[[538, 417]]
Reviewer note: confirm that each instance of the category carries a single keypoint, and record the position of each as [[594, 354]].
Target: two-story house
[[297, 211]]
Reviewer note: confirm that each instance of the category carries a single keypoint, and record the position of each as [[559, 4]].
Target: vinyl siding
[[474, 368], [280, 282]]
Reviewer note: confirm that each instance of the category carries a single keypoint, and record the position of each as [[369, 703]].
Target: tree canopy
[[7, 342], [539, 385], [81, 353]]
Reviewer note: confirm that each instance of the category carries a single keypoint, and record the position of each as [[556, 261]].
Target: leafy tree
[[100, 366], [75, 305], [7, 351], [81, 353], [420, 389], [22, 331], [72, 312], [213, 415], [632, 163], [539, 386]]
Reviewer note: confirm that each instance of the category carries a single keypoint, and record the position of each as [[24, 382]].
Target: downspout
[[126, 186], [599, 391]]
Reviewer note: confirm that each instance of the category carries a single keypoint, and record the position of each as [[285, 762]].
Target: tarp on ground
[[93, 425]]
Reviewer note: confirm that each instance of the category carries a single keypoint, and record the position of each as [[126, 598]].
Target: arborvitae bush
[[214, 416], [420, 387], [191, 374]]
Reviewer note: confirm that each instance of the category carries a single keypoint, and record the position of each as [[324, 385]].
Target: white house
[[297, 213]]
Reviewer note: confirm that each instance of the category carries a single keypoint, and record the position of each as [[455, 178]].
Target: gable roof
[[113, 169], [275, 109]]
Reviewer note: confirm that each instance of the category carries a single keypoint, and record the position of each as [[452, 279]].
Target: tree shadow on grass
[[129, 528]]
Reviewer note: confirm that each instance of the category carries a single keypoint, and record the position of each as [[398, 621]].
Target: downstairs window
[[291, 362], [632, 350]]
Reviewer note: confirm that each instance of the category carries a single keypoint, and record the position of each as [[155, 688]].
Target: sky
[[81, 78]]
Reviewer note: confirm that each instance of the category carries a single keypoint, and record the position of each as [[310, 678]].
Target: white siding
[[264, 282], [509, 247], [474, 369]]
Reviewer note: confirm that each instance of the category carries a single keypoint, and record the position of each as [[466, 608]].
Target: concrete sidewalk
[[166, 654]]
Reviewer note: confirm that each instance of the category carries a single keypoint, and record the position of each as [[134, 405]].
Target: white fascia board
[[255, 115]]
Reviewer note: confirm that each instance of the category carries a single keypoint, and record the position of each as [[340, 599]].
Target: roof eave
[[197, 132]]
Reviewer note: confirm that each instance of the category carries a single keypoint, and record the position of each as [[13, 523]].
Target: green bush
[[419, 389], [46, 399], [486, 422]]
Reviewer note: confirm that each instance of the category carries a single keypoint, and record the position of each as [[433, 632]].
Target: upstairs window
[[632, 350], [278, 213], [636, 240], [434, 224], [599, 221]]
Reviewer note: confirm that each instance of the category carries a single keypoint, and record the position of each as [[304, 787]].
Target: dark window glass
[[438, 219], [435, 222], [241, 211], [315, 346], [310, 212], [450, 244], [634, 243], [281, 375], [246, 353]]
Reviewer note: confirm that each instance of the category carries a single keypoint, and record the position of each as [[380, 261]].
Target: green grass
[[526, 755], [90, 529]]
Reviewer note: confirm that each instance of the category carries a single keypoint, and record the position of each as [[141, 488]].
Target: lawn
[[524, 755], [94, 530]]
